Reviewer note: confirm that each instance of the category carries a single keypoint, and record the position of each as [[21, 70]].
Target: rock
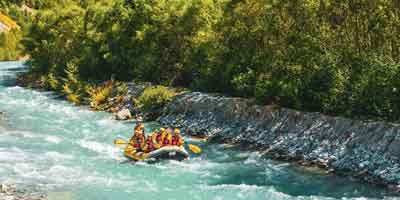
[[7, 189], [123, 114], [3, 188], [114, 109]]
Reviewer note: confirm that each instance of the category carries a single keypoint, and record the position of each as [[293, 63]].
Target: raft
[[167, 152]]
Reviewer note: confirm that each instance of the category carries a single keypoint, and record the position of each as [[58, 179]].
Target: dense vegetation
[[334, 56], [10, 47]]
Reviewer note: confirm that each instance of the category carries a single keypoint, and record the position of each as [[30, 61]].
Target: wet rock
[[13, 192], [3, 188], [123, 114]]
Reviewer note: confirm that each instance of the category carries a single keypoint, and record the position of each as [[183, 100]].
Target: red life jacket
[[174, 140], [136, 145], [166, 141], [159, 138], [150, 146], [140, 138]]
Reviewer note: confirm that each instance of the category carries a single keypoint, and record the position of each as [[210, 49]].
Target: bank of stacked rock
[[370, 151]]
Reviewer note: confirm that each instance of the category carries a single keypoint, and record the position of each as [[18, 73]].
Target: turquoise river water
[[68, 152]]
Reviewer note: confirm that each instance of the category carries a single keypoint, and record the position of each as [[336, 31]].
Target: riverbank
[[368, 151]]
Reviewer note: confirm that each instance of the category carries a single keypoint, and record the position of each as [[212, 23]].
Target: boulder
[[123, 114]]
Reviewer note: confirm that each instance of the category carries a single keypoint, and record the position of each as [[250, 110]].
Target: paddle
[[120, 142], [194, 148]]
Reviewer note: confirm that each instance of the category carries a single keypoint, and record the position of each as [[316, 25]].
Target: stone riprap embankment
[[369, 151]]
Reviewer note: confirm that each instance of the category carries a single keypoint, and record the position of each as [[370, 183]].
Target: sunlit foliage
[[337, 57]]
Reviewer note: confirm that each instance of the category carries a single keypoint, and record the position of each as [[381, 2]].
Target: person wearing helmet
[[167, 137], [148, 146], [157, 138], [138, 138], [177, 139]]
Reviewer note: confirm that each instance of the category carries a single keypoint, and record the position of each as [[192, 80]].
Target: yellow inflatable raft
[[167, 152]]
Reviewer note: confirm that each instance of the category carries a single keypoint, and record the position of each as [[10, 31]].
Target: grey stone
[[123, 114]]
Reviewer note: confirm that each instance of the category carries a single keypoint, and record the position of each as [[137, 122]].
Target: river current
[[67, 152]]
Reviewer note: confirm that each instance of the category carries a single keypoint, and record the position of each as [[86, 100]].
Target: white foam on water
[[56, 156], [253, 158], [196, 165], [242, 191], [24, 169], [243, 155], [105, 150], [53, 139], [32, 135], [107, 122], [241, 187], [61, 176], [11, 155], [67, 111], [109, 126]]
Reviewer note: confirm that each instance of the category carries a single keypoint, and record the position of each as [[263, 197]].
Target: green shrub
[[73, 88], [98, 94], [122, 88], [10, 48], [51, 82], [154, 98], [282, 86]]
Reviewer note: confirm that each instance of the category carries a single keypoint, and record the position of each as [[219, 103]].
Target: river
[[67, 151]]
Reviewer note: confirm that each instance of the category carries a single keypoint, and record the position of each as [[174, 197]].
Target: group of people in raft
[[139, 142]]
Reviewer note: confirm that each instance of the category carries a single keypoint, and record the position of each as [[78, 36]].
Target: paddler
[[167, 137], [148, 146], [157, 138], [137, 140], [177, 139]]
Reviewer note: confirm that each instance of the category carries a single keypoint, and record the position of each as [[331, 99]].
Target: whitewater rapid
[[67, 151]]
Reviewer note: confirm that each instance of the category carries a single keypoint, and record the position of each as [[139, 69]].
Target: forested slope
[[336, 57]]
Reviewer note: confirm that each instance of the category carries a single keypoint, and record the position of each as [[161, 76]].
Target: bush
[[72, 88], [283, 86], [10, 48], [154, 98], [122, 88], [50, 82], [99, 94]]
